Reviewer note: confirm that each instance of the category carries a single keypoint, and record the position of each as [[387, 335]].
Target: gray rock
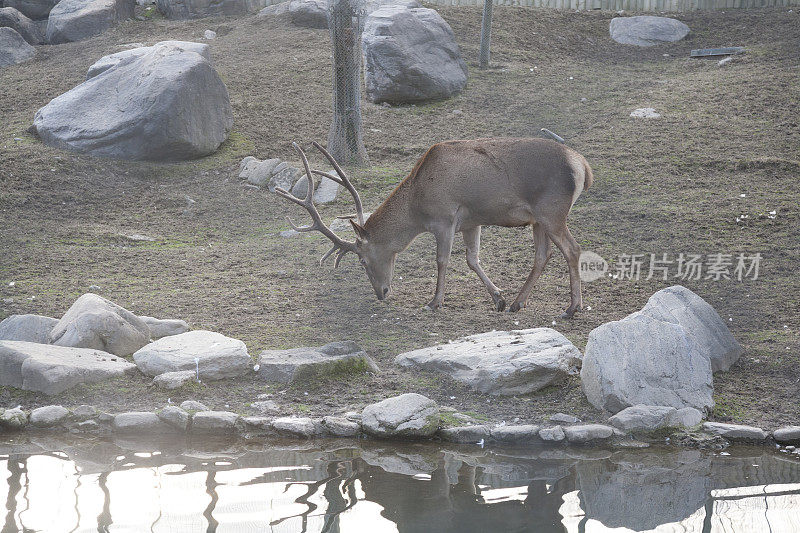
[[13, 419], [407, 415], [641, 360], [49, 416], [501, 362], [283, 176], [735, 431], [685, 418], [410, 55], [340, 427], [643, 418], [84, 412], [218, 356], [174, 380], [465, 434], [33, 9], [54, 369], [76, 20], [303, 13], [786, 435], [112, 60], [191, 405], [258, 172], [28, 29], [210, 35], [295, 426], [588, 432], [522, 434], [563, 418], [647, 30], [13, 48], [258, 425], [140, 422], [214, 422], [186, 9], [700, 321], [166, 105], [304, 364], [326, 190], [94, 322], [265, 406], [175, 417], [552, 434], [27, 328]]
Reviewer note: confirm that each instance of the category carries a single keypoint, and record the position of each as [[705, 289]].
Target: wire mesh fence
[[346, 23]]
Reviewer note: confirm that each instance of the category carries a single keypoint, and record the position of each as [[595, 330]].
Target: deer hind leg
[[472, 241], [444, 245], [543, 252], [572, 252]]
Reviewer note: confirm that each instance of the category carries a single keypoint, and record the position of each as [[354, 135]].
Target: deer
[[458, 187]]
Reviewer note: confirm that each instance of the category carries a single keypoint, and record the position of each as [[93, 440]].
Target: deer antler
[[339, 245], [343, 181]]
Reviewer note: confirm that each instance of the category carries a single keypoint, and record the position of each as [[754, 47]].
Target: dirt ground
[[725, 146]]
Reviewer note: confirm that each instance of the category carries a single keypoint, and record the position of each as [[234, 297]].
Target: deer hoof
[[500, 305], [516, 306], [433, 306], [570, 313]]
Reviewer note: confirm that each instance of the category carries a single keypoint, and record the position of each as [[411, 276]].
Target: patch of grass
[[729, 409]]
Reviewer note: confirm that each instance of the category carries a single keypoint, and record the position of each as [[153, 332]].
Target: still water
[[66, 484]]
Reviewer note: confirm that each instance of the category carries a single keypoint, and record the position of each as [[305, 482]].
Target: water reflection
[[63, 484]]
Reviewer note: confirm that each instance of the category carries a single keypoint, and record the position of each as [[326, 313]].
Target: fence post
[[486, 33], [345, 139]]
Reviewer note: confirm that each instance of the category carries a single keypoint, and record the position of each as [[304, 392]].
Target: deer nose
[[385, 291]]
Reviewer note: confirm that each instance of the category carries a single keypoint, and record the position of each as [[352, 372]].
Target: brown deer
[[459, 186]]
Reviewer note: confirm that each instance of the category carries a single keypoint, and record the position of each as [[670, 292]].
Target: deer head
[[377, 260]]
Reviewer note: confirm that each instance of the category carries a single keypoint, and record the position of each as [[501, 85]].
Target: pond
[[62, 483]]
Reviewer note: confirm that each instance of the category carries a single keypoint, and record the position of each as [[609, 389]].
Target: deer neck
[[392, 224]]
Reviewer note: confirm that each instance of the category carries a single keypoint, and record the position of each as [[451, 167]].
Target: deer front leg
[[444, 245], [472, 241]]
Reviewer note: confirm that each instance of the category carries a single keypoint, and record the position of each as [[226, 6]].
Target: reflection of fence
[[628, 5]]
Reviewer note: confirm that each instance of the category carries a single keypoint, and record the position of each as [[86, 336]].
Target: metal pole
[[486, 33]]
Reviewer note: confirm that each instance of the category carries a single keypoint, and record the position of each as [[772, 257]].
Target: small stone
[[587, 433], [643, 417], [787, 434], [174, 380], [295, 426], [552, 434], [645, 112], [302, 364], [140, 422], [562, 418], [49, 416], [191, 405], [214, 422], [210, 35], [13, 419], [175, 417], [735, 432], [341, 427], [84, 412], [525, 433], [465, 434]]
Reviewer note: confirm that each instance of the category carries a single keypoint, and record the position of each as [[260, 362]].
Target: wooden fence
[[629, 5]]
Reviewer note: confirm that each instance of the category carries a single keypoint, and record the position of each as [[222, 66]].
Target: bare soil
[[670, 185]]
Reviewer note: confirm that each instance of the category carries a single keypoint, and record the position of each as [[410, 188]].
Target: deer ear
[[360, 231]]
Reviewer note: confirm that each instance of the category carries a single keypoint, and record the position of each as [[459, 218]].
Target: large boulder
[[407, 415], [54, 369], [186, 9], [302, 364], [112, 60], [699, 320], [168, 104], [647, 30], [76, 20], [303, 13], [642, 360], [28, 29], [33, 9], [94, 322], [213, 355], [13, 48], [28, 328], [410, 55], [501, 362]]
